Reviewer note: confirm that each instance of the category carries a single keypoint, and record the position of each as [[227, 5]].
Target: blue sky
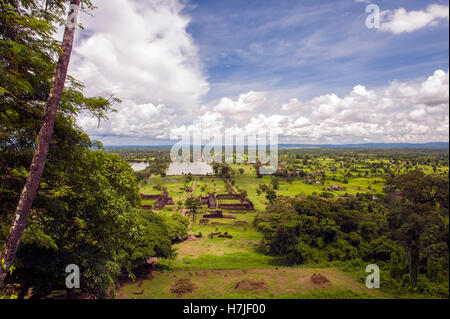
[[310, 71], [320, 46]]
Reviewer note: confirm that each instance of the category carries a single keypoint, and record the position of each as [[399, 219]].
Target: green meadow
[[215, 266]]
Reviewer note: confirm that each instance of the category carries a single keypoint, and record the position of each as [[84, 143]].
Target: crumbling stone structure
[[160, 201], [248, 205], [211, 201], [220, 235], [244, 202], [228, 196], [218, 214], [163, 200]]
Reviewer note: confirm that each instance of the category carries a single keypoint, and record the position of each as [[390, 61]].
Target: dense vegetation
[[344, 208], [158, 160], [86, 210], [323, 207], [405, 232]]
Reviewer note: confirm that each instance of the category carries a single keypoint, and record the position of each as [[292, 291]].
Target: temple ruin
[[218, 214], [161, 200], [243, 203], [209, 200]]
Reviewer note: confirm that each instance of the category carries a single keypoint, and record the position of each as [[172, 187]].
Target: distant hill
[[431, 145], [136, 146], [439, 145]]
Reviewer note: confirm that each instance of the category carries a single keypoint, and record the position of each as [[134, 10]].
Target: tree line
[[405, 233]]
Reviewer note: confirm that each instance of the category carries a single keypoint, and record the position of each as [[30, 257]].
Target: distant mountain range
[[371, 145], [431, 145]]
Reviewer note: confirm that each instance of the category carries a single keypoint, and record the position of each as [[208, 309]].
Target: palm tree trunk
[[42, 145]]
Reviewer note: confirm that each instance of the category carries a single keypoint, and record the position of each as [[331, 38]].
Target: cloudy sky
[[311, 71]]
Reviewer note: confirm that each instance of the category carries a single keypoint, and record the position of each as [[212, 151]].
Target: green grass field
[[216, 265], [253, 283]]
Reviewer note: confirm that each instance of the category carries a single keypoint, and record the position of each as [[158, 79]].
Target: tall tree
[[418, 204], [42, 146]]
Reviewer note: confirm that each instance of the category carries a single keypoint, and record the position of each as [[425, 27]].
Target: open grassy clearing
[[280, 282], [174, 186], [207, 185], [239, 252], [242, 251], [208, 261]]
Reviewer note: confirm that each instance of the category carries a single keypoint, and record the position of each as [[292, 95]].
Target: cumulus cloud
[[247, 102], [133, 120], [141, 52], [399, 112], [400, 20]]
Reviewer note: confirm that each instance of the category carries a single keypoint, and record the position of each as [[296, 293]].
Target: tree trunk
[[42, 145]]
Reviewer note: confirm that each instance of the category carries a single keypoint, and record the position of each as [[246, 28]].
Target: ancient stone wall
[[242, 206], [160, 200], [228, 196], [211, 201]]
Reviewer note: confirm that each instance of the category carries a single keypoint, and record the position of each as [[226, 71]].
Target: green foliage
[[176, 225], [275, 182], [410, 241], [223, 170], [271, 195], [85, 211], [192, 203], [419, 218]]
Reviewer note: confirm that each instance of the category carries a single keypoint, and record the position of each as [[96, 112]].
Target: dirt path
[[232, 188], [194, 183]]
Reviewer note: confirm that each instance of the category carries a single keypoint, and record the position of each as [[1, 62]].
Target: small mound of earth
[[182, 286], [320, 280], [251, 285]]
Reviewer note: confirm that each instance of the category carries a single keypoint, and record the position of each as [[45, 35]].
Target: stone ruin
[[244, 202], [160, 201], [180, 239], [218, 214], [220, 235], [211, 201]]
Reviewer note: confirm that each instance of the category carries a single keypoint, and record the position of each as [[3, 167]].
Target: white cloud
[[152, 64], [400, 20], [398, 112], [141, 53], [138, 120], [247, 102]]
